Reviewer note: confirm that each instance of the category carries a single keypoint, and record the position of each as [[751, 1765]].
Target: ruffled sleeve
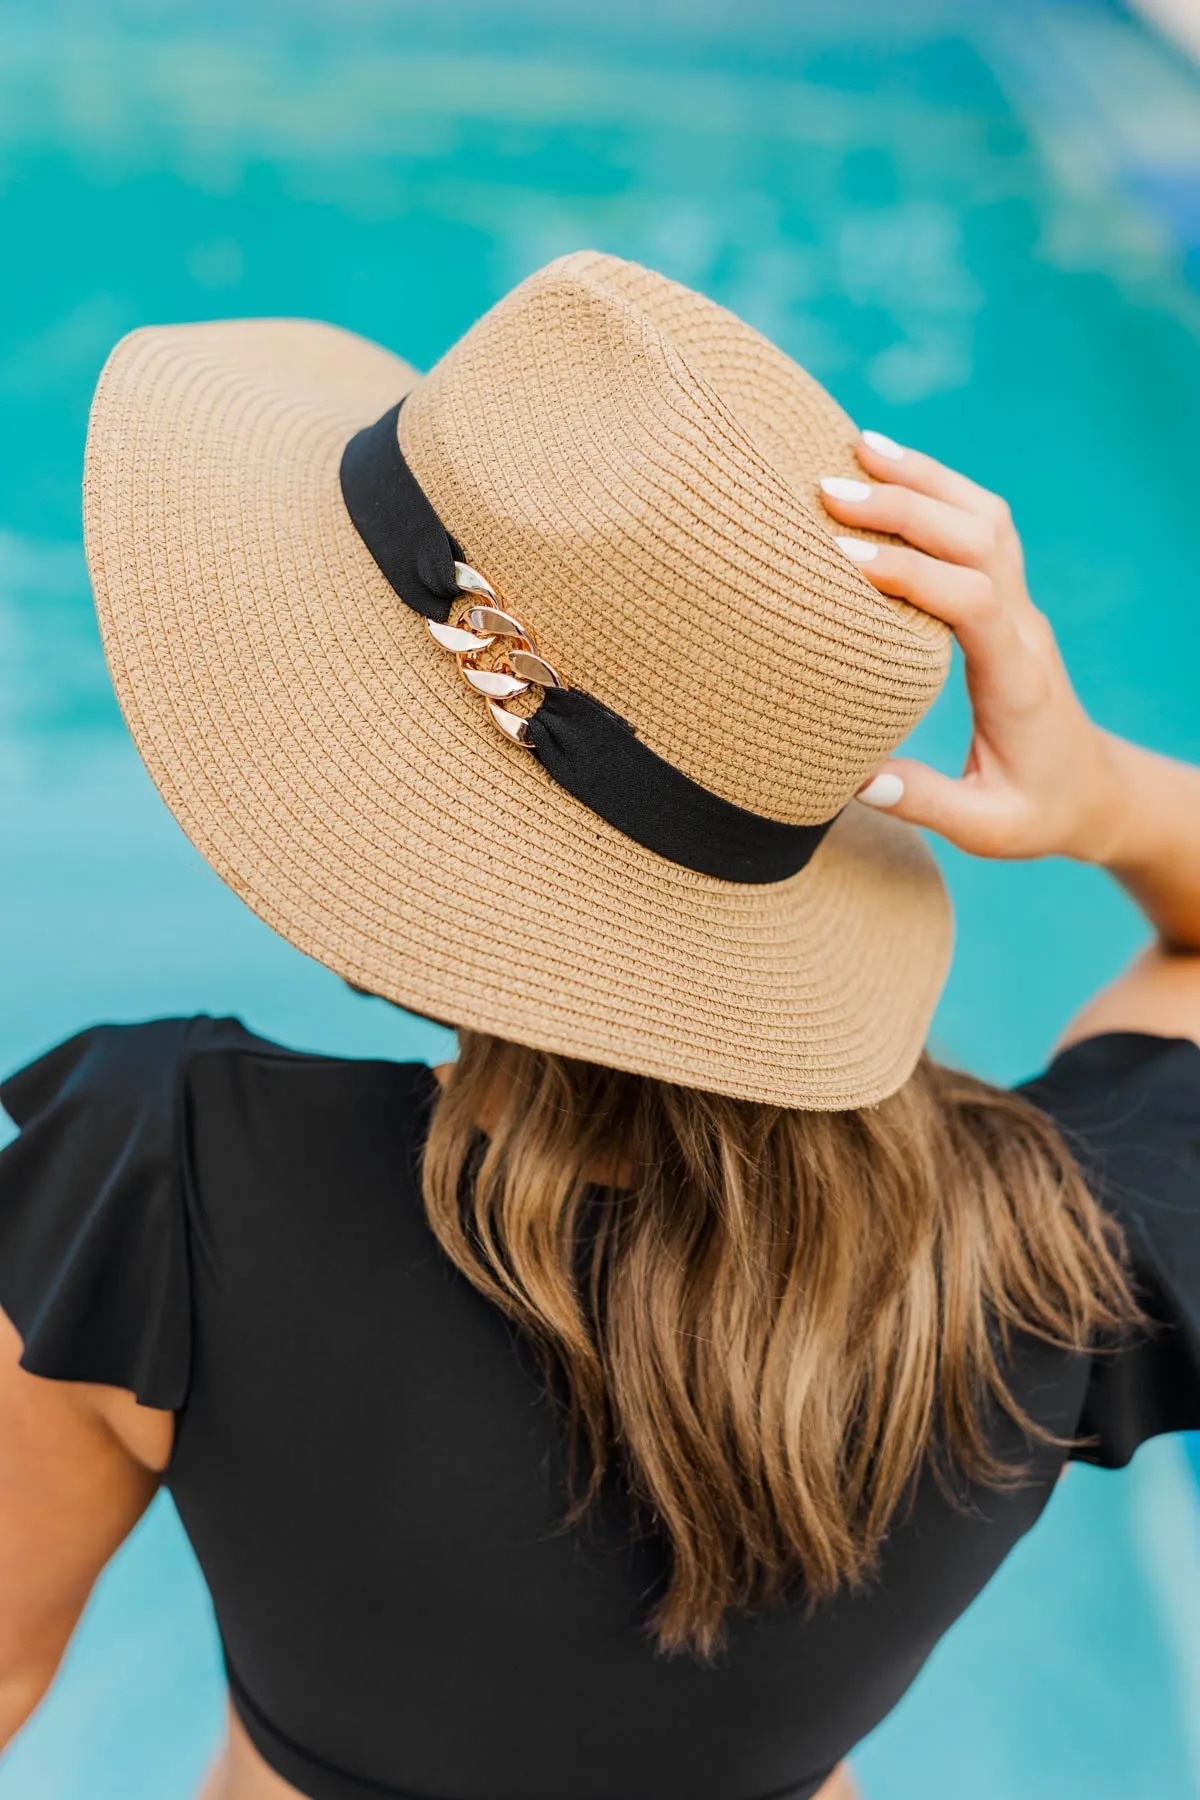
[[93, 1241], [1129, 1106]]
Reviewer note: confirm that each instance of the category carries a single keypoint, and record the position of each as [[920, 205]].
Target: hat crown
[[635, 470]]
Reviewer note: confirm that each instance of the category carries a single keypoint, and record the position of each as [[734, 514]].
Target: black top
[[370, 1470]]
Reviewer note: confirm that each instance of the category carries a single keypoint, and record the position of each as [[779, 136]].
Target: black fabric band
[[395, 521], [588, 749], [597, 756]]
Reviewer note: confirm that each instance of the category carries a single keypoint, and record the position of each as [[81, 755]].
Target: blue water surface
[[978, 225]]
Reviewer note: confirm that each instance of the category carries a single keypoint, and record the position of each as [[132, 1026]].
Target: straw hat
[[650, 879]]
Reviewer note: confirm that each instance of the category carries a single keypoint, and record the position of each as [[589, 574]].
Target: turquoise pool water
[[980, 226]]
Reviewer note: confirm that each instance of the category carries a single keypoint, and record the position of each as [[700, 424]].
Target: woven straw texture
[[635, 471]]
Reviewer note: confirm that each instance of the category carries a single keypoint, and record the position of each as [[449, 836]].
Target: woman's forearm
[[1150, 840]]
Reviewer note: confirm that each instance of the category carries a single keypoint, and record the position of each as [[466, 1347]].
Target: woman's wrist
[[1107, 832], [1145, 832]]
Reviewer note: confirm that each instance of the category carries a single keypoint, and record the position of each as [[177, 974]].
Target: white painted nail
[[882, 790], [883, 446], [857, 549], [838, 487]]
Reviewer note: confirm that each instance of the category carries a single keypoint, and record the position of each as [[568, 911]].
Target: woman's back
[[372, 1469]]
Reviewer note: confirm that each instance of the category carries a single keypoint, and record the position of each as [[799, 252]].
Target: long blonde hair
[[778, 1314]]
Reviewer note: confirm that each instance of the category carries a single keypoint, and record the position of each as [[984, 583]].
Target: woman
[[626, 1409]]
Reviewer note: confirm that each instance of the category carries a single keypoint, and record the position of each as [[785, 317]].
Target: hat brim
[[319, 751]]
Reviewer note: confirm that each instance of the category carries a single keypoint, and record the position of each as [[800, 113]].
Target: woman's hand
[[1040, 778]]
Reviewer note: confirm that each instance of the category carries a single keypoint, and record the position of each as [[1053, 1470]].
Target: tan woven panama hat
[[634, 470]]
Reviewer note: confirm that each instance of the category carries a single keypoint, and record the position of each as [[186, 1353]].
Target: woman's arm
[[73, 1483], [1040, 778], [1153, 842], [1155, 853]]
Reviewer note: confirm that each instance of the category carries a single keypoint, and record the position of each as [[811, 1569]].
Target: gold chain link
[[517, 668]]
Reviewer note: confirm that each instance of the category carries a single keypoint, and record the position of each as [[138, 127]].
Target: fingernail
[[839, 487], [883, 446], [857, 549], [882, 790]]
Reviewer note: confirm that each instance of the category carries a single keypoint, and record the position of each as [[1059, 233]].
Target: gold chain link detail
[[519, 665]]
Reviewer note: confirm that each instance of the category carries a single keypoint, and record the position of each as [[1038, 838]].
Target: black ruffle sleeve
[[93, 1235], [1129, 1107]]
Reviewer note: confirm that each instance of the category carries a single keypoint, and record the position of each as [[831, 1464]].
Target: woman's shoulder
[[142, 1068], [95, 1189], [1128, 1106], [1105, 1086]]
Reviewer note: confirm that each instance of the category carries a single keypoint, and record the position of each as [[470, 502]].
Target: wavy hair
[[770, 1317]]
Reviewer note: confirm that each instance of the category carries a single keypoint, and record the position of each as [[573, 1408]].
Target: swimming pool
[[980, 227]]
